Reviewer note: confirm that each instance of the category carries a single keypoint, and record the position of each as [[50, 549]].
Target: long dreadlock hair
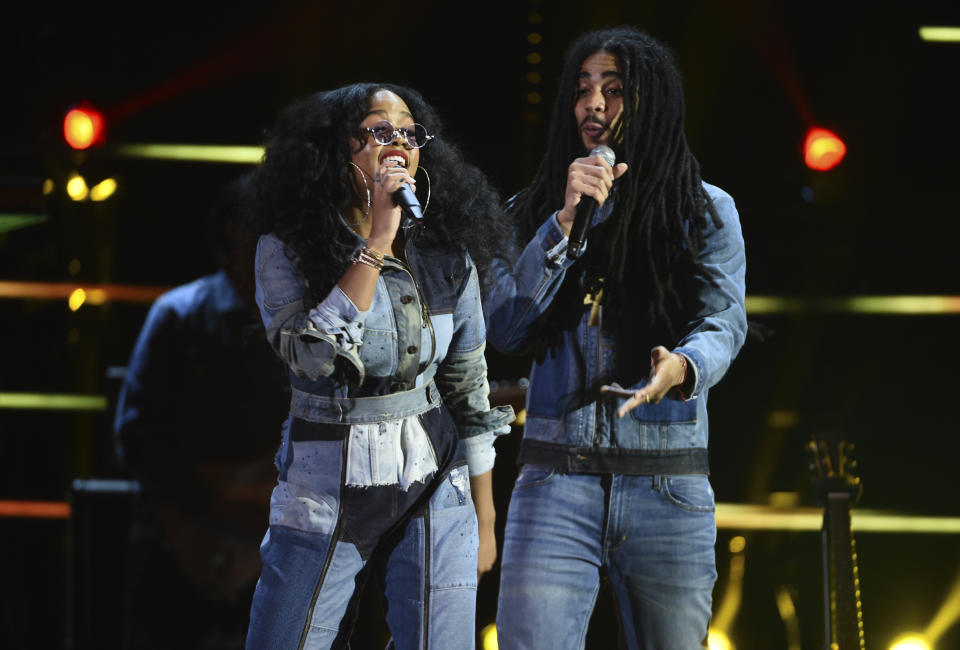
[[660, 206], [303, 185]]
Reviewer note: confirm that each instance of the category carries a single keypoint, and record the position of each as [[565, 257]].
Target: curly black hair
[[304, 185], [660, 206]]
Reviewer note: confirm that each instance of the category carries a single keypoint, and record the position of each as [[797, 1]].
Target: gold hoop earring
[[365, 186], [427, 202]]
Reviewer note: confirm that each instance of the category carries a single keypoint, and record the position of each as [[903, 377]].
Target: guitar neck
[[844, 620]]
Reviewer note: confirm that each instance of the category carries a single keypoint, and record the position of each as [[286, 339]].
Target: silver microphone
[[586, 208]]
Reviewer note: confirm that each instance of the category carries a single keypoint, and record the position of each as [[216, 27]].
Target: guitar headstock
[[833, 468]]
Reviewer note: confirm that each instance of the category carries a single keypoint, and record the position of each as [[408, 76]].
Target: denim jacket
[[420, 345], [569, 424]]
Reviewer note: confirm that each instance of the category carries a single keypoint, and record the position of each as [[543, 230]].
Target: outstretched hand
[[667, 369]]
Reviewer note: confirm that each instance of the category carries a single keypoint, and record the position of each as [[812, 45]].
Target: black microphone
[[406, 199], [586, 208]]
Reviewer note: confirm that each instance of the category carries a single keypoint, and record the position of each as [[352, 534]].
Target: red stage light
[[82, 127], [823, 150]]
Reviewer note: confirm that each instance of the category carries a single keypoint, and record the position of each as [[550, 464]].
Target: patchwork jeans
[[423, 545]]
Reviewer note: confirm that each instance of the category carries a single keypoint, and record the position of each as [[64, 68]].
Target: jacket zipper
[[426, 578], [333, 544], [425, 315]]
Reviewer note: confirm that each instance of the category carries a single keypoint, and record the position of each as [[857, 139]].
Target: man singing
[[628, 333]]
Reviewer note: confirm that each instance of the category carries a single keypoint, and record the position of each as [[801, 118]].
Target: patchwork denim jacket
[[419, 346], [569, 424]]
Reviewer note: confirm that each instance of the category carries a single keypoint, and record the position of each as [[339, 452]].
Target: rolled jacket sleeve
[[338, 318], [480, 452], [310, 342]]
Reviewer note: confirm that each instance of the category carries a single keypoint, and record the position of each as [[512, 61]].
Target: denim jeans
[[427, 563], [654, 537]]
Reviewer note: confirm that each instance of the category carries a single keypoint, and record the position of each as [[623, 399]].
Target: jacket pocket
[[668, 411], [379, 352]]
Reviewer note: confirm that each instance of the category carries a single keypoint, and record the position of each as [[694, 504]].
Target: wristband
[[369, 257]]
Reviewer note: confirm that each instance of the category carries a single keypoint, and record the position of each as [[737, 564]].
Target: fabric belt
[[606, 460], [363, 410]]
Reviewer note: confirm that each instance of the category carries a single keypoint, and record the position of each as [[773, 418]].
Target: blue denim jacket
[[569, 425], [420, 344]]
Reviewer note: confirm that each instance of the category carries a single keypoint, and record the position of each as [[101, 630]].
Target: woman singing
[[386, 455]]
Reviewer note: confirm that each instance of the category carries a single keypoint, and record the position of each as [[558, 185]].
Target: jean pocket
[[691, 492], [533, 476], [453, 491]]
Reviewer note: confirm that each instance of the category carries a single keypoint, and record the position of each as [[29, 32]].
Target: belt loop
[[656, 482]]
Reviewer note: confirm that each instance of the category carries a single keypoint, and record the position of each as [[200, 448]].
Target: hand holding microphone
[[588, 184], [392, 194]]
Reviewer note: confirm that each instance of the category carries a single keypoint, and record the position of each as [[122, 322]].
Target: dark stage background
[[757, 75]]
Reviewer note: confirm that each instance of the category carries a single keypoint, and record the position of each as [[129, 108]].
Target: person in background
[[201, 396]]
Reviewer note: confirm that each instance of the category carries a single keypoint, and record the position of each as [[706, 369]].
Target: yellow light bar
[[754, 517], [53, 402], [95, 294], [193, 152], [891, 305], [9, 222], [896, 304], [874, 521], [729, 515], [35, 509], [940, 34], [902, 305]]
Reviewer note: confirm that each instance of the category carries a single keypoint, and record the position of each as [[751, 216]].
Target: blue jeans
[[654, 537], [427, 562]]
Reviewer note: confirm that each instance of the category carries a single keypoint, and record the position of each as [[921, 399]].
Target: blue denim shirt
[[568, 424], [424, 328]]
